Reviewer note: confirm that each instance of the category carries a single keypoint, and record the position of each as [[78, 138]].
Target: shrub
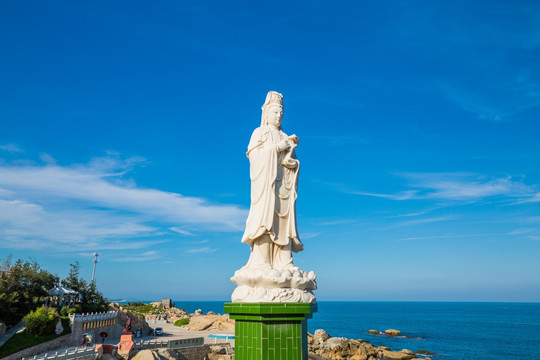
[[136, 303], [181, 322], [41, 321], [66, 310]]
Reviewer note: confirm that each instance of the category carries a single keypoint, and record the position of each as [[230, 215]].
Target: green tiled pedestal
[[270, 331]]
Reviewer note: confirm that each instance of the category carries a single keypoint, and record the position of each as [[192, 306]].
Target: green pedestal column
[[270, 331]]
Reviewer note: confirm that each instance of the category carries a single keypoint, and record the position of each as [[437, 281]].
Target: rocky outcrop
[[320, 336], [327, 347], [395, 355], [174, 314], [210, 322], [220, 352], [392, 332], [324, 347], [158, 354]]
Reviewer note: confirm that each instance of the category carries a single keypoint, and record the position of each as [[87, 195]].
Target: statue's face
[[275, 116]]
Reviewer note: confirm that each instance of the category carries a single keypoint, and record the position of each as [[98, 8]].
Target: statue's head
[[272, 110]]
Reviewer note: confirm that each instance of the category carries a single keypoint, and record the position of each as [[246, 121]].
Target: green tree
[[91, 299], [24, 287], [74, 280], [41, 321]]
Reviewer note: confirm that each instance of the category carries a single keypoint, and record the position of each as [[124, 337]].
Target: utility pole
[[95, 261]]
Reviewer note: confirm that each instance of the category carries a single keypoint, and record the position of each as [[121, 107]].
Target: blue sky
[[124, 126]]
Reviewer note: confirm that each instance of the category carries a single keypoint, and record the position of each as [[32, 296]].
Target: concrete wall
[[94, 324], [197, 353], [113, 330]]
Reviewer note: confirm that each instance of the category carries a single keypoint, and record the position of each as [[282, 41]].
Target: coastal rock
[[159, 354], [198, 312], [320, 336], [392, 332], [313, 356], [210, 313], [211, 322], [396, 355], [374, 332], [218, 349], [174, 314], [337, 348]]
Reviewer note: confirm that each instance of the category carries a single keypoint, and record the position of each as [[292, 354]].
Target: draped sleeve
[[263, 157]]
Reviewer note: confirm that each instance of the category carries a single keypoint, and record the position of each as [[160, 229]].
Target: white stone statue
[[270, 274]]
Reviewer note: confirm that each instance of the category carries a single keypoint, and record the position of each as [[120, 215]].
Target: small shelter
[[62, 296]]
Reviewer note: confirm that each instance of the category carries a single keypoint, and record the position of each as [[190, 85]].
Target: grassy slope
[[25, 340]]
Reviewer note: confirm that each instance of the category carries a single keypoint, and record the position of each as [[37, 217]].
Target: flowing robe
[[274, 180]]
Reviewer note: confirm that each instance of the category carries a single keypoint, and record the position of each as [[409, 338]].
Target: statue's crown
[[273, 98]]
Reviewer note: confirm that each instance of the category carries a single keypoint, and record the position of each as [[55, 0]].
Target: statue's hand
[[294, 139], [283, 145]]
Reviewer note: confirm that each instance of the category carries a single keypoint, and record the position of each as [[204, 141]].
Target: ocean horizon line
[[354, 301]]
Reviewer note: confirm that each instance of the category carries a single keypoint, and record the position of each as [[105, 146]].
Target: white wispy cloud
[[451, 236], [413, 214], [199, 242], [202, 250], [83, 206], [340, 222], [534, 198], [521, 231], [180, 231], [12, 148], [424, 221], [403, 195], [463, 186], [458, 187], [145, 256], [48, 159], [504, 100]]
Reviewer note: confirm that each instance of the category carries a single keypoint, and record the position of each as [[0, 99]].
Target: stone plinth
[[271, 331]]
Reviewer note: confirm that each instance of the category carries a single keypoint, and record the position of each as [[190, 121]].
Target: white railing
[[71, 353], [81, 352], [150, 344], [93, 316]]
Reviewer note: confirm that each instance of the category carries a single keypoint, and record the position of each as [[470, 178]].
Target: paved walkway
[[19, 327], [170, 332]]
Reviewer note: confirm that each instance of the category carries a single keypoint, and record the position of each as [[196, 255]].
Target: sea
[[449, 330]]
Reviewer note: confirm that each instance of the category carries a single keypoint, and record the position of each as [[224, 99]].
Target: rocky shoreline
[[322, 346]]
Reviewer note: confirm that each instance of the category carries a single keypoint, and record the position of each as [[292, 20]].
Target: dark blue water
[[453, 330]]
